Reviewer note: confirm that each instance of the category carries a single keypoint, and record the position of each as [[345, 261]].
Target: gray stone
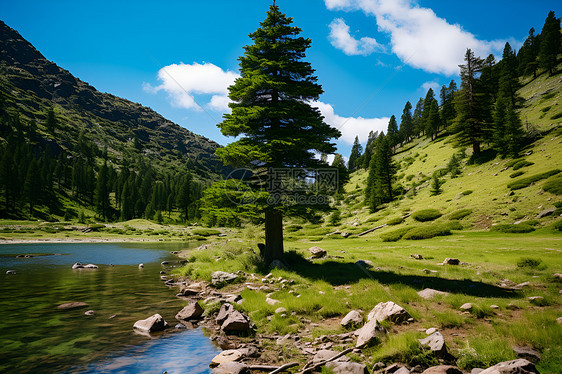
[[388, 311], [151, 324], [352, 318], [430, 331], [89, 312], [277, 264], [191, 311], [280, 310], [402, 370], [466, 307], [546, 212], [272, 301], [229, 355], [347, 367], [10, 272], [236, 322], [370, 333], [220, 278], [436, 343], [224, 311], [90, 266], [527, 353], [429, 293], [326, 354], [519, 366], [317, 252], [231, 368], [442, 369], [476, 371], [451, 261], [72, 305], [416, 256], [77, 265]]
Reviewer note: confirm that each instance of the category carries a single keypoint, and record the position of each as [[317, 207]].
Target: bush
[[521, 164], [553, 185], [205, 232], [293, 228], [525, 182], [427, 232], [467, 192], [558, 225], [96, 227], [395, 221], [512, 229], [516, 174], [426, 215], [395, 235], [460, 214], [528, 262], [556, 116]]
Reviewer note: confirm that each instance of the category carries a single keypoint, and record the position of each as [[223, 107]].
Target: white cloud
[[342, 39], [183, 82], [418, 36], [351, 127], [431, 84]]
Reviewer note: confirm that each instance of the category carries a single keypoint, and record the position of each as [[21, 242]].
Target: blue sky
[[370, 56]]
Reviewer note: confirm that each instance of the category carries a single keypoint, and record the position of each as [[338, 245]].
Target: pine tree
[[434, 122], [436, 185], [550, 43], [52, 122], [32, 185], [417, 117], [407, 123], [499, 116], [271, 112], [427, 102], [392, 133], [101, 194], [366, 158], [472, 105], [343, 173], [508, 83], [184, 197], [447, 106], [356, 152], [382, 173], [527, 55]]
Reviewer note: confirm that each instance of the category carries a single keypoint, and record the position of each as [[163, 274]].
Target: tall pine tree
[[356, 152], [550, 43]]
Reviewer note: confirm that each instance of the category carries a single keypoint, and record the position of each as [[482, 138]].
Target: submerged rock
[[153, 323], [72, 305]]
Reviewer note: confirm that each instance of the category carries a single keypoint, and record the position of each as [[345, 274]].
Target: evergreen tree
[[184, 197], [427, 102], [407, 123], [272, 115], [392, 133], [343, 173], [52, 122], [499, 116], [447, 106], [508, 83], [433, 120], [436, 185], [472, 106], [528, 53], [102, 192], [366, 159], [382, 173], [356, 152], [417, 117], [550, 43], [32, 185], [513, 131]]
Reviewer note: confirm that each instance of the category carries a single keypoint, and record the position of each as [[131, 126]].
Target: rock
[[77, 265], [546, 212], [442, 369], [236, 322], [224, 311], [231, 368], [272, 301], [466, 307], [180, 326], [89, 312], [90, 266], [233, 298], [416, 256], [365, 264], [229, 355], [191, 311], [378, 366], [72, 305], [164, 263], [559, 320], [151, 324], [326, 354], [402, 370], [345, 234], [388, 311], [535, 299], [277, 264], [476, 371], [280, 310], [429, 293], [527, 353], [347, 367], [141, 266], [317, 252], [188, 291], [519, 366], [494, 306], [10, 272], [221, 278], [370, 333], [430, 331], [436, 343], [352, 318], [451, 261]]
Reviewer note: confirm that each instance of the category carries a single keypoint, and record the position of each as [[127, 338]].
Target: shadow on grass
[[339, 273]]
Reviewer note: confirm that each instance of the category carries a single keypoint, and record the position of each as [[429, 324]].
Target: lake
[[37, 337]]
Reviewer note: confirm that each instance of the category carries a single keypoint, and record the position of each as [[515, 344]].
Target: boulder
[[153, 323], [224, 312], [317, 252], [229, 355], [89, 312], [231, 368], [188, 291], [10, 272], [402, 370], [389, 311], [236, 322], [527, 353], [347, 367], [280, 310], [519, 366], [466, 307], [326, 354], [370, 333], [272, 301], [476, 371], [221, 278], [191, 311], [430, 293], [546, 212], [72, 305], [436, 343], [396, 368], [77, 265], [352, 318], [416, 256], [451, 261], [442, 369]]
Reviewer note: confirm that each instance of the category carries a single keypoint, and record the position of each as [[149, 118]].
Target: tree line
[[483, 111]]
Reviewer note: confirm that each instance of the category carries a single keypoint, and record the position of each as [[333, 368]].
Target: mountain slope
[[32, 84]]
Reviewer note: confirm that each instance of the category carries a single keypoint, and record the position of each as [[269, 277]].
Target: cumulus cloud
[[351, 127], [431, 84], [418, 36], [183, 82], [342, 39]]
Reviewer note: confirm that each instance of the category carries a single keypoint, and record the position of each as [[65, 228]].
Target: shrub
[[525, 182], [205, 232], [427, 232], [484, 352], [426, 215], [335, 218], [96, 226], [521, 164], [395, 221], [436, 185], [553, 185], [395, 235], [460, 214], [556, 116], [467, 192], [512, 228], [558, 225], [293, 228], [528, 262], [516, 174]]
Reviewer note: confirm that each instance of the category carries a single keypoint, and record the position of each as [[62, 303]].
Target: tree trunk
[[273, 235], [476, 149]]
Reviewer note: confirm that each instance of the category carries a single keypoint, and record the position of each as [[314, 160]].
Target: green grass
[[395, 235], [427, 232], [553, 185], [395, 221], [483, 352], [512, 229], [526, 182], [460, 214]]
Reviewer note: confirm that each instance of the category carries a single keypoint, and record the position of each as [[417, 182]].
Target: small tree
[[407, 123], [436, 185], [550, 43], [52, 122], [356, 152]]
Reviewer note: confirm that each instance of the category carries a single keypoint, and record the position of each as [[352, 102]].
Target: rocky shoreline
[[213, 306]]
